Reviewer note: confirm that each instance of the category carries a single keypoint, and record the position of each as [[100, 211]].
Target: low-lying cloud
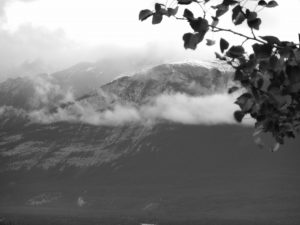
[[177, 108], [48, 94], [181, 108]]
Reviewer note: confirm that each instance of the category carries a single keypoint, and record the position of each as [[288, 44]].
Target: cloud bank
[[52, 104], [177, 108]]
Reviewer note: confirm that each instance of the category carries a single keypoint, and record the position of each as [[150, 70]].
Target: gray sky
[[63, 32]]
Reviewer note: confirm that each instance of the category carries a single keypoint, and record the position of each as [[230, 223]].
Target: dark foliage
[[269, 76]]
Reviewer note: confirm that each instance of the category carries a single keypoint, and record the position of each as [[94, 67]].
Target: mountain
[[16, 93], [189, 78], [85, 77], [139, 89], [83, 172], [38, 91]]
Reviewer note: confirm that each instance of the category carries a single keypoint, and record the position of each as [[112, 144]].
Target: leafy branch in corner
[[269, 75]]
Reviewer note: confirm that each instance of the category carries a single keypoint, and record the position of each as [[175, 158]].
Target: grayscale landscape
[[106, 134]]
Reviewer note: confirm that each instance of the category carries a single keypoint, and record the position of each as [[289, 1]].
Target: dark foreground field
[[89, 218], [198, 175]]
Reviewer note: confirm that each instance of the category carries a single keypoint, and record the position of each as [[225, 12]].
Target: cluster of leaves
[[269, 77], [158, 13]]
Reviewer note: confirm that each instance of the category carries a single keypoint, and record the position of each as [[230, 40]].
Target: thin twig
[[180, 18], [218, 29], [204, 12], [252, 31], [244, 41]]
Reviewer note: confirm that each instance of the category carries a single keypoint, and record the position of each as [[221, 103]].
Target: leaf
[[229, 2], [297, 55], [239, 75], [259, 83], [157, 7], [144, 14], [280, 101], [237, 15], [192, 40], [233, 89], [215, 21], [262, 3], [185, 2], [223, 45], [272, 4], [294, 88], [271, 40], [235, 51], [293, 73], [220, 57], [279, 139], [222, 10], [239, 115], [285, 52], [245, 101], [210, 42], [200, 25], [188, 14], [276, 63], [172, 12], [163, 11], [254, 24], [251, 15], [262, 51], [157, 18]]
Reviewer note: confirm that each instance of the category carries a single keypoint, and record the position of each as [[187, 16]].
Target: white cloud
[[86, 113], [178, 108], [48, 94], [181, 108]]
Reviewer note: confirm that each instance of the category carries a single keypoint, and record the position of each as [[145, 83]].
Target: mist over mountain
[[180, 92]]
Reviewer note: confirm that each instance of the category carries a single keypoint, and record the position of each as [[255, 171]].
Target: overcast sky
[[62, 32]]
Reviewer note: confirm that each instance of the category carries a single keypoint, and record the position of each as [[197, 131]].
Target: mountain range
[[156, 146]]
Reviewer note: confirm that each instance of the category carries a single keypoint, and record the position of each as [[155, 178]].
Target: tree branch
[[244, 41], [218, 29], [204, 12], [252, 31]]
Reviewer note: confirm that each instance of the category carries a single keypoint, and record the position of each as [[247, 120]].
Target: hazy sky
[[97, 22], [62, 32]]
